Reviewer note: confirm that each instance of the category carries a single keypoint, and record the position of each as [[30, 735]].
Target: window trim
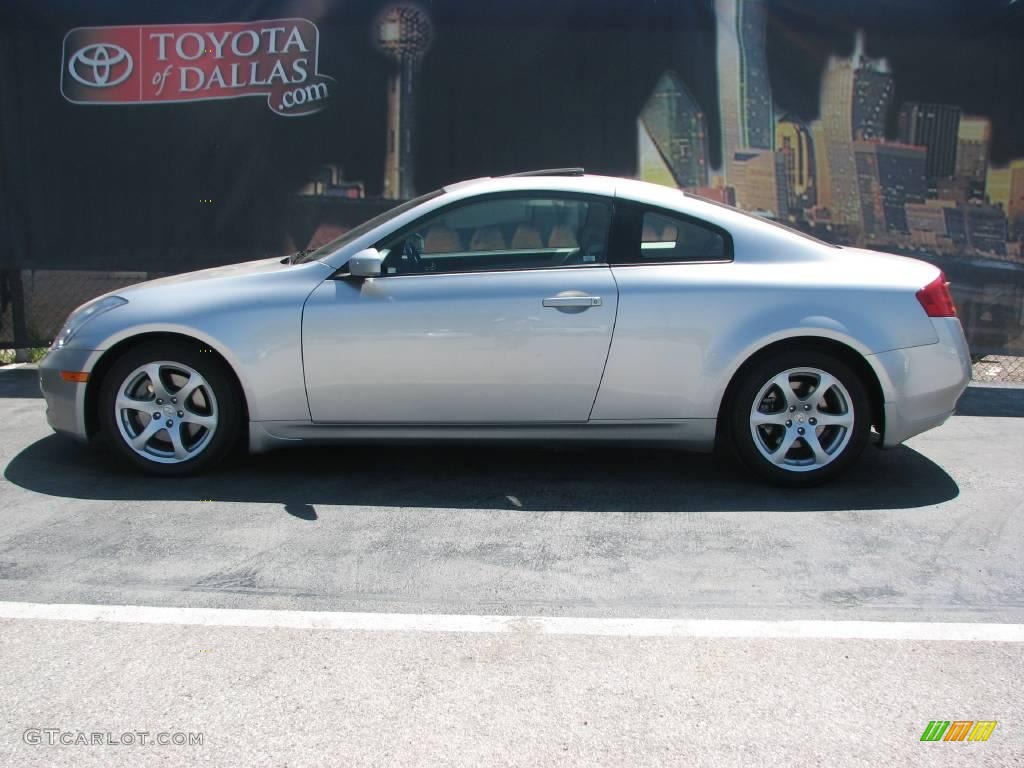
[[440, 211], [628, 236]]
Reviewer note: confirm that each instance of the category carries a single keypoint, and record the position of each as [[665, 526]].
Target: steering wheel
[[411, 249]]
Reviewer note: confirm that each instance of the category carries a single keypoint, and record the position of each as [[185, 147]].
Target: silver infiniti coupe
[[547, 306]]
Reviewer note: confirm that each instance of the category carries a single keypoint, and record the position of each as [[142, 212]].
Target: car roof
[[749, 232], [584, 183], [644, 192]]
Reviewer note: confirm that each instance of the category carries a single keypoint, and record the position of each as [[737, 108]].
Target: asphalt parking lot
[[930, 532]]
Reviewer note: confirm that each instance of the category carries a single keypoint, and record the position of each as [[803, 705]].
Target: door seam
[[611, 340]]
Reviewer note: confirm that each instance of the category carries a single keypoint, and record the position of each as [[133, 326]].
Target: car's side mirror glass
[[366, 263]]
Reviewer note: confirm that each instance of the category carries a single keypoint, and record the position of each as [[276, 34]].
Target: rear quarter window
[[658, 236]]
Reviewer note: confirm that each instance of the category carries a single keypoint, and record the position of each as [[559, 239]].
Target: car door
[[496, 310]]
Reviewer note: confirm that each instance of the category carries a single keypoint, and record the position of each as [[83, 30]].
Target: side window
[[669, 238], [502, 233]]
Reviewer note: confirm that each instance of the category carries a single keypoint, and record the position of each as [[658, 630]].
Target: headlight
[[84, 314]]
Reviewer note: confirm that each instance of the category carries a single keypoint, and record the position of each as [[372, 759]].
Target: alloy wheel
[[166, 412], [802, 419]]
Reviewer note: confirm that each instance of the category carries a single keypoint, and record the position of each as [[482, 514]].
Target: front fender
[[254, 321]]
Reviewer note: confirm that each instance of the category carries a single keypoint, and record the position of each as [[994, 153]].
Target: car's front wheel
[[170, 408], [800, 417]]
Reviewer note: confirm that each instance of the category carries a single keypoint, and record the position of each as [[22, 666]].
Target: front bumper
[[923, 384], [65, 400]]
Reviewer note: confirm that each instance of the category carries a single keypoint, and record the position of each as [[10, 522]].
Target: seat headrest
[[441, 238], [487, 239], [563, 236]]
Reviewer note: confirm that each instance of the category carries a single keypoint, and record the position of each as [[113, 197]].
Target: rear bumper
[[922, 384], [65, 400]]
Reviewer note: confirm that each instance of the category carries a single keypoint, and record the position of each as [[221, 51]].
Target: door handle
[[573, 301]]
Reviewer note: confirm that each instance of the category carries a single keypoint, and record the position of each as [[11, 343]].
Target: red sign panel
[[149, 64]]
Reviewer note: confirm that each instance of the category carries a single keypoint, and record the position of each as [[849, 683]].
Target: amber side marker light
[[80, 376], [936, 298]]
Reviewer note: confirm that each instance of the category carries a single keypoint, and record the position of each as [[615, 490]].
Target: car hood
[[209, 304], [230, 271]]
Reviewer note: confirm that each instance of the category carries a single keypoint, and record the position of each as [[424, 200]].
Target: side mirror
[[366, 263]]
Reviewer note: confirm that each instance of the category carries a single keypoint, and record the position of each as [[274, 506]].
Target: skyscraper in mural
[[889, 176], [672, 140], [856, 93], [872, 95], [760, 176], [972, 143], [936, 127], [744, 91], [822, 180], [795, 144]]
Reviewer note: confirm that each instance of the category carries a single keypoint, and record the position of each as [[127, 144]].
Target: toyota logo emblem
[[102, 65]]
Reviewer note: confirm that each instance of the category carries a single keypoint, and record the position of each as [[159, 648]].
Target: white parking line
[[414, 622]]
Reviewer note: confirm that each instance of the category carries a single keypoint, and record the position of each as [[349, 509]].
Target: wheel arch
[[115, 352], [839, 349]]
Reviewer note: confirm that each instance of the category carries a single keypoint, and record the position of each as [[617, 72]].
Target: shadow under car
[[619, 478]]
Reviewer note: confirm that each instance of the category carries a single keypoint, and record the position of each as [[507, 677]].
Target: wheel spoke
[[180, 451], [820, 456], [139, 441], [194, 382], [196, 418], [782, 382], [760, 419], [126, 403], [153, 372], [825, 383], [835, 419], [780, 453]]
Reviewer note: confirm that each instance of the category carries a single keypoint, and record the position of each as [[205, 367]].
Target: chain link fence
[[999, 369], [35, 303]]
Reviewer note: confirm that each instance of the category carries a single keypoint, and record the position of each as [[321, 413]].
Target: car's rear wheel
[[169, 408], [800, 417]]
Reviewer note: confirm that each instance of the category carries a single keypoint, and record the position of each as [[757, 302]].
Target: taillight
[[936, 298]]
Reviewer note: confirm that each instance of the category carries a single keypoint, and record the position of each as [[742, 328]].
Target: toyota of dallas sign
[[194, 62]]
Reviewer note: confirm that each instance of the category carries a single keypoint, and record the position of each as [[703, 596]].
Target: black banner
[[151, 137]]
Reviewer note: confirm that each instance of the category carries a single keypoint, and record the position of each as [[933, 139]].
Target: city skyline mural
[[836, 174], [891, 126]]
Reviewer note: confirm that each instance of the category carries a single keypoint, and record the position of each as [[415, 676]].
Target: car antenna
[[548, 172]]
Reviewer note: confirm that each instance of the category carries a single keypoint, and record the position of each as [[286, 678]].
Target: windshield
[[365, 227]]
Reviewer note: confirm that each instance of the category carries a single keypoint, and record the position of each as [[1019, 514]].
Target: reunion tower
[[403, 33]]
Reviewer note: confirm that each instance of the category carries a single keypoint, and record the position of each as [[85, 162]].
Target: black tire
[[216, 374], [792, 474]]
